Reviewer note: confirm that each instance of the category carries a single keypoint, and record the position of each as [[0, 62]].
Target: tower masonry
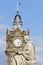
[[19, 49]]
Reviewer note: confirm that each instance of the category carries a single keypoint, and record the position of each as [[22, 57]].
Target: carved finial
[[17, 6]]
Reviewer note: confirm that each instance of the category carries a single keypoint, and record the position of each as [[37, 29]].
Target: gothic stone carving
[[23, 55]]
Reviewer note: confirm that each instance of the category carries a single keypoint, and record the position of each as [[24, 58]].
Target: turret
[[17, 22]]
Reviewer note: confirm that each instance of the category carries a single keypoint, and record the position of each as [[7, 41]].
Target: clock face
[[17, 42]]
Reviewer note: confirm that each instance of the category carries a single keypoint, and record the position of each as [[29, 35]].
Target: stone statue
[[27, 56], [29, 51]]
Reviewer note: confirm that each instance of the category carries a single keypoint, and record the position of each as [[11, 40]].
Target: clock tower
[[19, 48]]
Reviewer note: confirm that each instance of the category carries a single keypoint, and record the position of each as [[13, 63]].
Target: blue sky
[[31, 12]]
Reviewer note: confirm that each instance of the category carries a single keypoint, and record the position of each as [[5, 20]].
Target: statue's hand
[[19, 52], [15, 51]]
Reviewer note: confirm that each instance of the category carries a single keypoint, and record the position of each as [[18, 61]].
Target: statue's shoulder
[[30, 43]]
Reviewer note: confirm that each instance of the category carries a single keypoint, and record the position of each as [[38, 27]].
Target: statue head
[[26, 38]]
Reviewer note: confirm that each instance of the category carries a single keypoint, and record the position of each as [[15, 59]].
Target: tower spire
[[17, 6]]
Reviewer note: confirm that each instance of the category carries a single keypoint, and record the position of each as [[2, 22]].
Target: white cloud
[[2, 37], [38, 42], [2, 43], [5, 19], [4, 27], [2, 18]]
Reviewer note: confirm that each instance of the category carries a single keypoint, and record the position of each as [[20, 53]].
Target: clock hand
[[18, 41]]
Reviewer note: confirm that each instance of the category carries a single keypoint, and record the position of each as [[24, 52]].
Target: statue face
[[17, 42], [26, 38]]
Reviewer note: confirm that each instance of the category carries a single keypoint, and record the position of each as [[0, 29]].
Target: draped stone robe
[[27, 56]]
